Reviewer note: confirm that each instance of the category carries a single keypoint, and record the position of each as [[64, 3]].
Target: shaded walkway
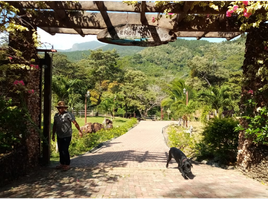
[[133, 166]]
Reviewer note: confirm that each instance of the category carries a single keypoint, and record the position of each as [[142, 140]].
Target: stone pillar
[[23, 42], [254, 87]]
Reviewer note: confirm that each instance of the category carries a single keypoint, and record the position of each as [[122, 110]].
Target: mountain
[[81, 50], [92, 45]]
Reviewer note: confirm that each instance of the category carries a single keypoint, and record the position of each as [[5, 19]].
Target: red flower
[[245, 3], [250, 92], [34, 66], [31, 91], [153, 20], [170, 13], [10, 58], [246, 14], [229, 13], [235, 7], [16, 82], [21, 82]]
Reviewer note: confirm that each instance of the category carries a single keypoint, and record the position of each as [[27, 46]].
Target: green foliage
[[257, 128], [216, 97], [220, 139], [15, 122], [91, 140], [180, 139], [249, 14]]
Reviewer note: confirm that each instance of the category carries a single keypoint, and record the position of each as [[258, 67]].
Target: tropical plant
[[216, 97], [65, 89], [176, 99]]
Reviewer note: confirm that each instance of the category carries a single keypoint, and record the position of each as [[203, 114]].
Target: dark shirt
[[63, 124]]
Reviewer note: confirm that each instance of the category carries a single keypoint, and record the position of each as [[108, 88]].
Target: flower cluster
[[250, 92], [34, 66], [16, 82], [30, 91], [246, 12]]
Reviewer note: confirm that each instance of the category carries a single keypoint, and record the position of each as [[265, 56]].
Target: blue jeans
[[63, 145]]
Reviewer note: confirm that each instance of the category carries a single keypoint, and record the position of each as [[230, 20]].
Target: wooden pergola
[[107, 18], [93, 17]]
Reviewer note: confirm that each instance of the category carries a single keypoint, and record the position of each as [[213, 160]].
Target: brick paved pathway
[[133, 166]]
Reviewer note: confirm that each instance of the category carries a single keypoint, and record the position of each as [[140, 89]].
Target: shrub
[[181, 140], [219, 140], [13, 121]]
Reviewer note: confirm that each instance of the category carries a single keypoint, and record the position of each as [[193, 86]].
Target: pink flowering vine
[[229, 13], [246, 14], [31, 91], [245, 3], [16, 82], [250, 92], [34, 66], [235, 8]]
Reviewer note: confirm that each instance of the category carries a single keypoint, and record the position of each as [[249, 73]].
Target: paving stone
[[133, 166]]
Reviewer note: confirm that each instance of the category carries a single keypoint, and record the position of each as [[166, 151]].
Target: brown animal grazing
[[97, 127], [87, 128]]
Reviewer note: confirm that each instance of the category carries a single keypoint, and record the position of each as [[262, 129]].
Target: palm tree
[[65, 89], [176, 99], [217, 98]]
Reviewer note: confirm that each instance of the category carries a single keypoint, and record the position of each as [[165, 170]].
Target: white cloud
[[62, 41]]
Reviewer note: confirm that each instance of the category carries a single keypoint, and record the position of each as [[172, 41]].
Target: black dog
[[184, 164]]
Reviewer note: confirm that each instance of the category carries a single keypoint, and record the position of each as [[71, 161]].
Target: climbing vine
[[250, 13]]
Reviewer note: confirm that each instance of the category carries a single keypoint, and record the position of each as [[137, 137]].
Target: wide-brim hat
[[61, 104]]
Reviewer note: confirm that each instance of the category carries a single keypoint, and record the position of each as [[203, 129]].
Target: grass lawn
[[117, 121]]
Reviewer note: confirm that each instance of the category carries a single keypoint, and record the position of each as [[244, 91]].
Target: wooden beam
[[96, 21], [114, 6], [200, 34], [107, 20], [54, 30]]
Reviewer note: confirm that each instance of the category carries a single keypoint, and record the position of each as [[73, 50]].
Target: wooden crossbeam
[[114, 6], [54, 30], [96, 21]]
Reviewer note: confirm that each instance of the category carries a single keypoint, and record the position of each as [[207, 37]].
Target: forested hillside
[[172, 57], [172, 60], [140, 79]]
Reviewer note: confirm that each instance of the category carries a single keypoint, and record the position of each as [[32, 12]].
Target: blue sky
[[66, 41]]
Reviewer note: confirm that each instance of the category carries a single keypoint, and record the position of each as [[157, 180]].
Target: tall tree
[[103, 70], [134, 92]]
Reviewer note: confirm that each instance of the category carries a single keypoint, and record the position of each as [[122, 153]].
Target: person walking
[[62, 126]]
